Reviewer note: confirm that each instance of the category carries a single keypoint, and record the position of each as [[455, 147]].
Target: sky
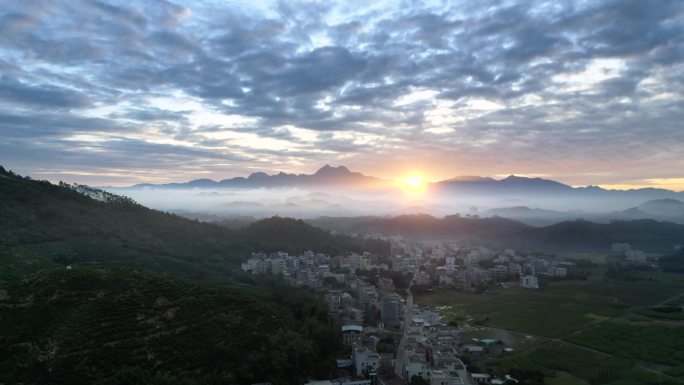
[[124, 92]]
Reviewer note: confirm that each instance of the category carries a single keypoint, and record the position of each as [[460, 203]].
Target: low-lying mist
[[308, 203]]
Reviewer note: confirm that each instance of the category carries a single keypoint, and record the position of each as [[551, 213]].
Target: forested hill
[[104, 326], [44, 225], [119, 317], [579, 235]]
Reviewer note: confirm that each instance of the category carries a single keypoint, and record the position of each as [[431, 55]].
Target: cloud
[[14, 91], [503, 87]]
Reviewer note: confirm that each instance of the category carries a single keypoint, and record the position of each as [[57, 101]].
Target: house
[[445, 377], [351, 334], [473, 349], [417, 368], [529, 282], [365, 361], [481, 378]]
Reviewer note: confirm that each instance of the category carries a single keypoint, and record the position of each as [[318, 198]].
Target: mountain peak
[[513, 177], [256, 175], [328, 170], [469, 178]]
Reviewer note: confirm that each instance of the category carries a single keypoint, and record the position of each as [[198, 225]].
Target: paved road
[[400, 359]]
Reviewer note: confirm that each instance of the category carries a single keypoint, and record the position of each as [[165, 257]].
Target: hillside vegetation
[[122, 326], [578, 235], [46, 225], [151, 297]]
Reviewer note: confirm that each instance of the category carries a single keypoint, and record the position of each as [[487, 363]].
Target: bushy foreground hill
[[44, 225], [123, 326], [118, 317]]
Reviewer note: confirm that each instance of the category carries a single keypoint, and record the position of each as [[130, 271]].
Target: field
[[596, 331], [564, 364], [647, 341], [558, 309]]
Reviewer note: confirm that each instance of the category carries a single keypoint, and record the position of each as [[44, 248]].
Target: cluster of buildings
[[472, 270], [628, 254], [351, 300], [364, 301]]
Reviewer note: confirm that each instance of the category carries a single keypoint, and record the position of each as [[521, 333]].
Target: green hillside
[[151, 297], [44, 225], [578, 235], [122, 326]]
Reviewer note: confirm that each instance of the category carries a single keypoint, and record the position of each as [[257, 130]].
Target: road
[[400, 359]]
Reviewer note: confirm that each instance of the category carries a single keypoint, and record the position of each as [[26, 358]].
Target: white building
[[451, 263], [529, 282], [365, 361]]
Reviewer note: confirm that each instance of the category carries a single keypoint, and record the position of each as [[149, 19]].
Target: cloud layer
[[121, 92]]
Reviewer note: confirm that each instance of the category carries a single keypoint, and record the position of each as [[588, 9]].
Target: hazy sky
[[585, 92]]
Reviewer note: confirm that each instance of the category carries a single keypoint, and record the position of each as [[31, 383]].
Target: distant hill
[[44, 225], [662, 209], [119, 326], [533, 216], [577, 235], [524, 186]]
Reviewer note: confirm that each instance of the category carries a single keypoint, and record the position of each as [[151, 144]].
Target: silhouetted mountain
[[523, 191], [511, 184], [325, 176]]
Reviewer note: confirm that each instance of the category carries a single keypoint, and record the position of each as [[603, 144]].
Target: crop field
[[644, 341], [563, 364], [595, 331], [558, 309]]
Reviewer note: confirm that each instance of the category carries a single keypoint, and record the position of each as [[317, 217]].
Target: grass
[[676, 371], [563, 364], [561, 307], [660, 315], [565, 378], [644, 341]]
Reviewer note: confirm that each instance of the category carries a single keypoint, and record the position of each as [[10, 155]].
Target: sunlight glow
[[414, 184]]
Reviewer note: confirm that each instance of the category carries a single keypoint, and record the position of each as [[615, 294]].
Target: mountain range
[[337, 191], [670, 210], [341, 176], [325, 176]]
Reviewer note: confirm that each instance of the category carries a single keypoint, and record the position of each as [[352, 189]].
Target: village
[[390, 339]]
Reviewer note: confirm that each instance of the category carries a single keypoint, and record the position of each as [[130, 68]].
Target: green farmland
[[596, 331]]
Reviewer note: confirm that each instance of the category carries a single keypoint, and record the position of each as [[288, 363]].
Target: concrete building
[[365, 361], [529, 282], [351, 334], [390, 310]]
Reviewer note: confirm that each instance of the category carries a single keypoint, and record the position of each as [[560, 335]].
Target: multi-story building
[[529, 282], [390, 310]]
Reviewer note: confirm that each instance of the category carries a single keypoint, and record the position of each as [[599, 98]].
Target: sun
[[414, 183]]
